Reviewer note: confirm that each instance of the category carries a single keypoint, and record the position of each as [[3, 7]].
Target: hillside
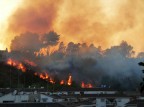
[[11, 77]]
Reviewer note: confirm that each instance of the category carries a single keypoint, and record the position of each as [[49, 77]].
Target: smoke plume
[[101, 22], [116, 66], [38, 16], [89, 47]]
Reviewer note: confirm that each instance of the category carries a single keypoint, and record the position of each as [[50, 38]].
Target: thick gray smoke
[[115, 67]]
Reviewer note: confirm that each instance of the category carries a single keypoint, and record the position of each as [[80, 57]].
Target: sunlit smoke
[[7, 7], [103, 22]]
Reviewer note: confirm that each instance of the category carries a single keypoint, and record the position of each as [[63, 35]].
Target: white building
[[50, 98], [79, 91], [46, 98], [14, 97], [99, 97], [20, 97], [112, 100], [28, 96], [101, 100]]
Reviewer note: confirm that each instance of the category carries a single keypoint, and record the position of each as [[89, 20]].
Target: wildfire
[[69, 80], [11, 62], [52, 81], [16, 64], [46, 51], [83, 85], [62, 82], [21, 67], [44, 75]]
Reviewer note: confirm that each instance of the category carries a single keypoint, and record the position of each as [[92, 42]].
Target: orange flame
[[62, 82], [90, 85], [52, 81], [46, 75], [46, 51], [43, 76], [21, 67], [16, 64], [83, 85], [69, 80], [11, 62]]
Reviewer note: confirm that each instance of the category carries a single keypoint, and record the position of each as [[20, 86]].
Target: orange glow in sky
[[102, 22], [7, 7]]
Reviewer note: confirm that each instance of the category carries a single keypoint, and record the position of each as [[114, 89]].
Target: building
[[79, 91], [99, 100], [91, 97], [113, 100], [31, 105], [28, 96], [51, 98], [13, 97]]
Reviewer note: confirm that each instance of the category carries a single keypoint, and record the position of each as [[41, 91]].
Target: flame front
[[52, 81], [83, 85], [62, 82], [16, 64], [44, 75], [69, 80], [21, 67]]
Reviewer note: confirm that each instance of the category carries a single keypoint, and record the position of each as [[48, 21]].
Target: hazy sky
[[102, 22]]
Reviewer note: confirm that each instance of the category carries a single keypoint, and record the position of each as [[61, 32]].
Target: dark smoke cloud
[[26, 42], [114, 66]]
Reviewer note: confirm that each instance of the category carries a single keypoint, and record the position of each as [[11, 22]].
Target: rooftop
[[86, 89], [97, 96], [31, 105]]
